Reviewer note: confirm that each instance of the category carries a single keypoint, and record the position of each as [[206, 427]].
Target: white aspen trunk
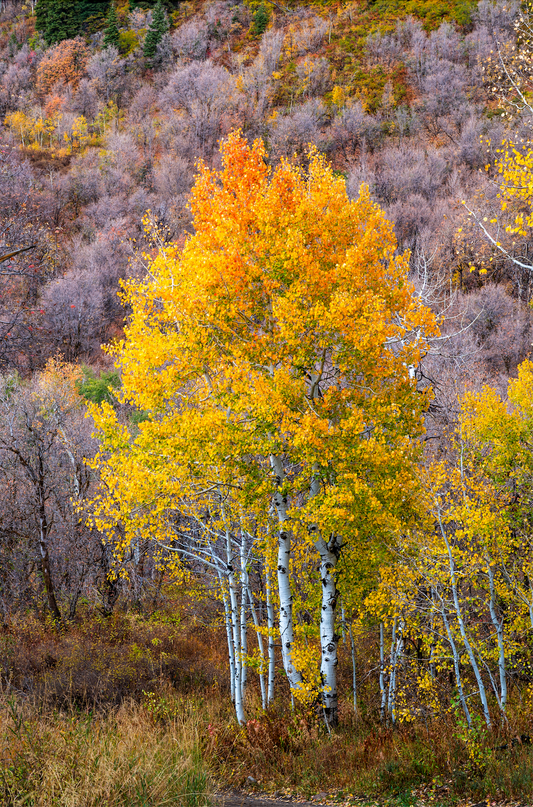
[[466, 642], [244, 633], [498, 626], [348, 630], [432, 670], [235, 632], [457, 668], [344, 629], [396, 650], [382, 673], [227, 620], [391, 667], [328, 638], [271, 647], [260, 646], [286, 626], [329, 554], [493, 685], [354, 671]]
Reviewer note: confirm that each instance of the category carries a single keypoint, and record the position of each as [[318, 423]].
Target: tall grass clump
[[126, 757]]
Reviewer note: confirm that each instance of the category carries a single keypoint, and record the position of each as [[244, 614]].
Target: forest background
[[140, 652]]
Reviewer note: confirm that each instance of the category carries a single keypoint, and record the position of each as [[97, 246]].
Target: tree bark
[[235, 630], [382, 689], [44, 529], [286, 625], [271, 628], [328, 638], [498, 626], [243, 624], [459, 615]]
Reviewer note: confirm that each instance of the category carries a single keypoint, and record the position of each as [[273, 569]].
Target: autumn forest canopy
[[266, 401]]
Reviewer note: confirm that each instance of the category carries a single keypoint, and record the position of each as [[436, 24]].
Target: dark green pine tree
[[111, 35], [59, 20], [42, 8], [91, 11], [260, 20], [158, 27]]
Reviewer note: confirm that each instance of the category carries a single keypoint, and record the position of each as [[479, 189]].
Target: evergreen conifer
[[260, 20], [42, 8], [158, 27], [59, 20], [92, 10], [111, 35]]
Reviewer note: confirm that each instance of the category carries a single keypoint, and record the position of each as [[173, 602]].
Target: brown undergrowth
[[99, 662], [440, 761], [122, 758], [106, 712], [135, 710]]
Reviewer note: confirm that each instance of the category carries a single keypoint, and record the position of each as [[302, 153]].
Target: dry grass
[[127, 758], [135, 712], [295, 754]]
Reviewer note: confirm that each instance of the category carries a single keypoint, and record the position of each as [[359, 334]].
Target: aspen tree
[[270, 359]]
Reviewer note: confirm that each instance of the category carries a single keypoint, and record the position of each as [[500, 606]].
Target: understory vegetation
[[148, 725]]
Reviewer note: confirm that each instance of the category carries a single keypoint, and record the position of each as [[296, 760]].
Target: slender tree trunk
[[260, 646], [328, 637], [459, 616], [44, 529], [396, 649], [432, 669], [110, 586], [45, 568], [456, 667], [235, 631], [352, 648], [498, 626], [382, 689], [244, 633], [271, 645], [390, 687], [286, 625], [329, 554], [227, 620]]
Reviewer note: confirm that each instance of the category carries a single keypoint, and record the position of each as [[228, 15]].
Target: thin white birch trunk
[[329, 554], [227, 620], [328, 637], [286, 626], [348, 630], [456, 667], [459, 616], [243, 626], [396, 650], [271, 646], [354, 672], [498, 626], [391, 667], [382, 673], [235, 626], [260, 646], [432, 669]]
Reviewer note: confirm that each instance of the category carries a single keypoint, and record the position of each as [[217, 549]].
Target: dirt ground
[[235, 798]]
